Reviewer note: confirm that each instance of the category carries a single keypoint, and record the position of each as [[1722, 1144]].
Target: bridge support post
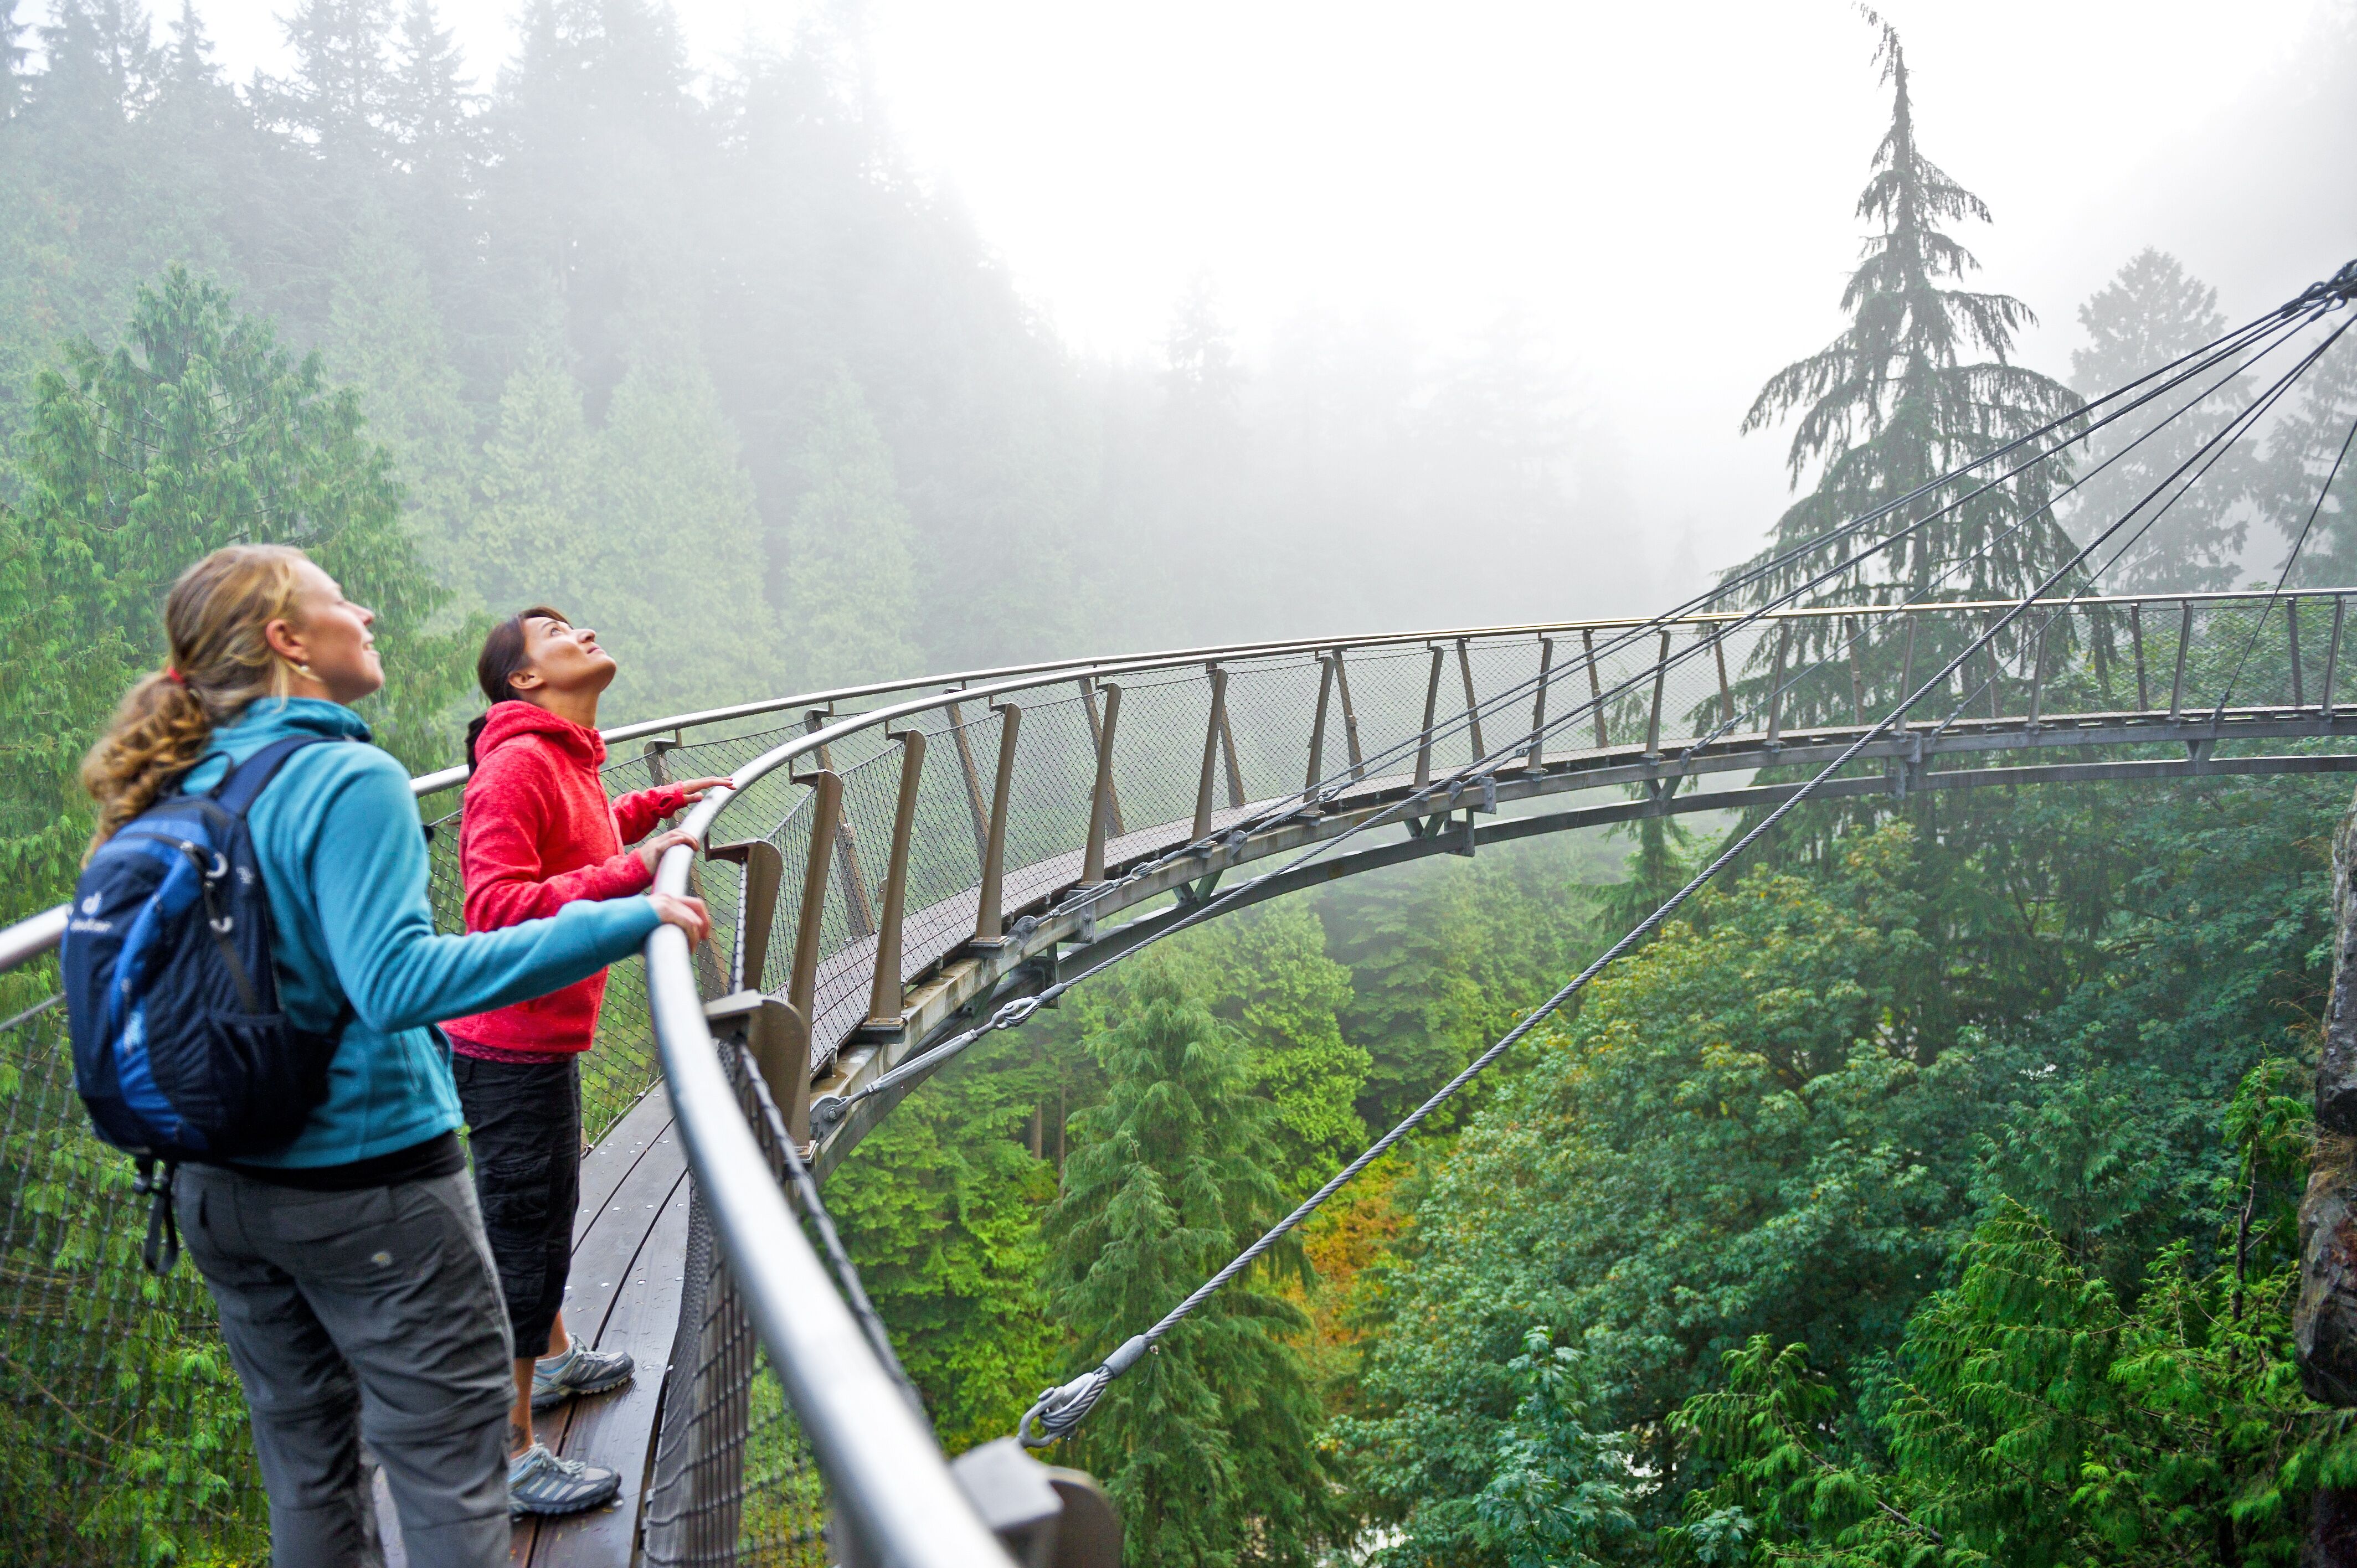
[[972, 780], [1472, 705], [1431, 710], [1103, 812], [2037, 676], [1661, 678], [884, 1012], [860, 913], [1907, 672], [2331, 659], [1530, 759], [2135, 643], [1776, 682], [1717, 636], [1213, 726], [1350, 718], [1317, 769], [761, 872], [2184, 641], [987, 932], [1856, 671], [2291, 627], [1098, 728], [1595, 690], [826, 811]]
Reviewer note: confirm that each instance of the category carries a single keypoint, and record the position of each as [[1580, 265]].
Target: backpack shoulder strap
[[236, 793]]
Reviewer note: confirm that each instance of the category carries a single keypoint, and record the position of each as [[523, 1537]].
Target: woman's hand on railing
[[694, 789], [688, 914], [650, 853]]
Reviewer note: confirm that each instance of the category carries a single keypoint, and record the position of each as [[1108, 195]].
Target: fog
[[1488, 288]]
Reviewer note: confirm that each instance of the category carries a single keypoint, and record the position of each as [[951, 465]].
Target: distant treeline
[[705, 362]]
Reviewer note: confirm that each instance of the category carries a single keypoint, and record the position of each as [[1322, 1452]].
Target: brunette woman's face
[[329, 639], [562, 658]]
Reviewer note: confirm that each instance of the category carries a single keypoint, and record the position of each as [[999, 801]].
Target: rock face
[[2324, 1324]]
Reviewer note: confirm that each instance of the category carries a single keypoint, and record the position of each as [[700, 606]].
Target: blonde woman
[[356, 1290]]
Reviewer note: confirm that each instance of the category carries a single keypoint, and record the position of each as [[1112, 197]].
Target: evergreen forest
[[1922, 1196]]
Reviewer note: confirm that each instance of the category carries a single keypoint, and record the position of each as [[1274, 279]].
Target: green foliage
[[197, 431], [1559, 1496], [939, 1208], [1207, 1446], [1747, 1125], [2150, 313]]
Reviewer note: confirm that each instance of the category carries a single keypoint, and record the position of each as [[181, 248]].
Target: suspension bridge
[[901, 869]]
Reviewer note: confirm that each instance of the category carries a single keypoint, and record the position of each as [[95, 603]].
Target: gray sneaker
[[580, 1370], [541, 1482]]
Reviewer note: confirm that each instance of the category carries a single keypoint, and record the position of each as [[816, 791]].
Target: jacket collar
[[511, 720], [276, 718]]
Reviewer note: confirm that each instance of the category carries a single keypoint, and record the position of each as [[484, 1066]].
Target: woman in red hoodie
[[539, 833]]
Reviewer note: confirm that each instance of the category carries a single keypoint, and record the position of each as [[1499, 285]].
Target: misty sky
[[1663, 193]]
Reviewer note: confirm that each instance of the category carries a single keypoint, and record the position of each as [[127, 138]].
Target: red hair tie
[[175, 677]]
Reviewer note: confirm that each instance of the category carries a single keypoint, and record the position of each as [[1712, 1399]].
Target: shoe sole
[[556, 1397], [560, 1510]]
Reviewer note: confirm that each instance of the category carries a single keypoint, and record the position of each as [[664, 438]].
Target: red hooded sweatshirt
[[539, 833]]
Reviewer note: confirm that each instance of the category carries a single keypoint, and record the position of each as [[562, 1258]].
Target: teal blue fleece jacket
[[343, 857]]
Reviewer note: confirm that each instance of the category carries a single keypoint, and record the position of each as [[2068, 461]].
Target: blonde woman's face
[[331, 635]]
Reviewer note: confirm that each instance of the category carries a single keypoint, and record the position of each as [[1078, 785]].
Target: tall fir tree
[[847, 609], [2298, 479], [1900, 398], [1208, 1445], [342, 81], [2150, 313]]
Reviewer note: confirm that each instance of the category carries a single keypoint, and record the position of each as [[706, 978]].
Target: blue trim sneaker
[[541, 1482], [576, 1370]]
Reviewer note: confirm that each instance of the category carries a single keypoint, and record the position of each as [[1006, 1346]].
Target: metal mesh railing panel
[[120, 1413], [733, 1480]]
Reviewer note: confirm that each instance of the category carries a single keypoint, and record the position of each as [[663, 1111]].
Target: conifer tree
[[1901, 397], [2299, 456], [846, 610], [2150, 313], [1207, 1446], [196, 431], [342, 77], [533, 487]]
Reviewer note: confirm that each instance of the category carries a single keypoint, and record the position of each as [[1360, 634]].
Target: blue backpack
[[180, 1051]]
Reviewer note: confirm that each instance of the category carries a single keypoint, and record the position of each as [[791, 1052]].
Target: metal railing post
[[1725, 688], [1102, 810], [2136, 640], [1776, 681], [761, 870], [859, 910], [1431, 710], [2036, 675], [1538, 705], [657, 753], [987, 932], [826, 811], [967, 771], [1212, 725], [1595, 690], [1906, 671], [2291, 623], [1857, 670], [2177, 682], [1473, 705], [1350, 718], [2331, 657], [1661, 678], [1097, 729], [884, 1011], [1318, 725]]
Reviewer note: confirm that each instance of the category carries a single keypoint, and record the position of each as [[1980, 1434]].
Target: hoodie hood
[[511, 721]]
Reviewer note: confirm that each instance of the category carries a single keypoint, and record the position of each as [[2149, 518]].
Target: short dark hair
[[503, 656]]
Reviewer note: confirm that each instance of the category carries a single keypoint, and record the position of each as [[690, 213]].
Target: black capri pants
[[523, 1127]]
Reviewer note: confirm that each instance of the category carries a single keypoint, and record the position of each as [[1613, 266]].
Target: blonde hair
[[222, 664]]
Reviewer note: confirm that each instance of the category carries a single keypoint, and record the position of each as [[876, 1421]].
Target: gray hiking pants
[[371, 1314]]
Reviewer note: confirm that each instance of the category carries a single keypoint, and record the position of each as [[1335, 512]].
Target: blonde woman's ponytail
[[222, 664]]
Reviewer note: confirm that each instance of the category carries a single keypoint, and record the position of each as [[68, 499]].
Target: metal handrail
[[37, 934]]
